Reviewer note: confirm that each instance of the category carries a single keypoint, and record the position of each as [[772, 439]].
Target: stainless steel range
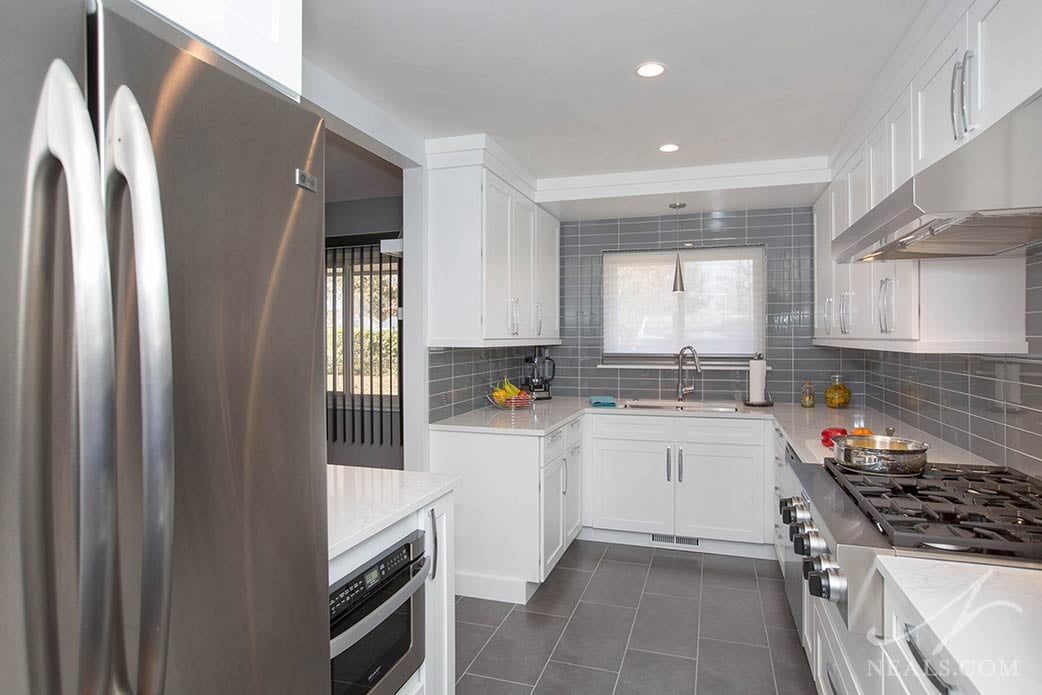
[[833, 523]]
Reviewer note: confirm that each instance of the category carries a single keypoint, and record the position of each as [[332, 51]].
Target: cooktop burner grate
[[953, 508]]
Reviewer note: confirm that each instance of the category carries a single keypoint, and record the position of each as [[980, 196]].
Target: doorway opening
[[363, 285]]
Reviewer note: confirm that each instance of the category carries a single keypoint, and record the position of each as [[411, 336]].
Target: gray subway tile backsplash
[[991, 405]]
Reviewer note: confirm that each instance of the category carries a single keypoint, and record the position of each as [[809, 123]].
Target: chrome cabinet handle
[[965, 96], [130, 169], [956, 68], [891, 305], [843, 313], [881, 304], [927, 668], [62, 142], [349, 637], [669, 465], [434, 530], [565, 490], [539, 321], [828, 316], [680, 465]]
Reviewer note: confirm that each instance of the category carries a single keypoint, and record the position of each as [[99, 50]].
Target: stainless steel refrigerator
[[162, 488]]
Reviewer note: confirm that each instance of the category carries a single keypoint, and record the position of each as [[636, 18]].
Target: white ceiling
[[552, 80], [353, 173]]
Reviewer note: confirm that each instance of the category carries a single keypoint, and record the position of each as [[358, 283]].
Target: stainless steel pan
[[879, 454]]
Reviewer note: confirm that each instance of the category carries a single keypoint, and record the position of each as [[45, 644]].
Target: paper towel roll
[[757, 381]]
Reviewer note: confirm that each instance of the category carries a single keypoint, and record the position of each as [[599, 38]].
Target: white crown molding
[[714, 177], [480, 148]]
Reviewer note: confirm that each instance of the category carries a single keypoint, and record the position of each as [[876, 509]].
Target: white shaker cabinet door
[[633, 485], [719, 492], [263, 35], [825, 325], [573, 493], [522, 239], [552, 504], [500, 316], [438, 524], [546, 287], [938, 125], [1005, 66]]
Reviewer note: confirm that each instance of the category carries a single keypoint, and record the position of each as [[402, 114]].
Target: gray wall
[[460, 377], [788, 236], [369, 216]]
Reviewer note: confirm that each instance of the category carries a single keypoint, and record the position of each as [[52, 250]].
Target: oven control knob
[[829, 584], [818, 563], [809, 544], [802, 527], [787, 502], [794, 514]]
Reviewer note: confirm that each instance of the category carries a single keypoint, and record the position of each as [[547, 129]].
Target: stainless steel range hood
[[983, 199]]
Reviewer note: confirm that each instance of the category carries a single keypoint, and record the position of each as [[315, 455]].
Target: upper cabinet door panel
[[898, 121], [1006, 65], [938, 125], [499, 311], [546, 288], [858, 184], [263, 35], [522, 238], [878, 165]]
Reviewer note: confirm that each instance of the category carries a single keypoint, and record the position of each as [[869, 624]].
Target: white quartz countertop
[[985, 617], [361, 502], [802, 426]]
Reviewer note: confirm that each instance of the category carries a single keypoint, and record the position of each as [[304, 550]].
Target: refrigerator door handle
[[130, 169], [62, 141]]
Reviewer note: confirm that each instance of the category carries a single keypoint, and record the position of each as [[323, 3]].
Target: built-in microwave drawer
[[719, 430], [648, 428]]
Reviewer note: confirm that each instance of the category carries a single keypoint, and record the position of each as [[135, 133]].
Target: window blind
[[722, 311]]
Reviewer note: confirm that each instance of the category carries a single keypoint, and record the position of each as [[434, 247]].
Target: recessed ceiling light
[[650, 69], [669, 147]]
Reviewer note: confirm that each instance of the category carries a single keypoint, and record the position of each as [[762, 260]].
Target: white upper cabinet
[[547, 287], [824, 297], [493, 260], [1005, 64], [899, 140], [878, 153], [520, 269], [262, 35], [935, 89]]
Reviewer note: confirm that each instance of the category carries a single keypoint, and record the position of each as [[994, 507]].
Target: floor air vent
[[674, 540]]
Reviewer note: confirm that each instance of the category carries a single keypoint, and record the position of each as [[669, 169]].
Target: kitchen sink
[[687, 406]]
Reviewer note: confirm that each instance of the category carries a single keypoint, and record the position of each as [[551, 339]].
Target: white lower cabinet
[[633, 485], [438, 524], [693, 477], [518, 505], [719, 492], [553, 514]]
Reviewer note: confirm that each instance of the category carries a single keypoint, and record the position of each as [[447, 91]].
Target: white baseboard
[[493, 588], [753, 550]]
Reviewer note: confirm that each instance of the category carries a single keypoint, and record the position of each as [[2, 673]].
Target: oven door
[[376, 648]]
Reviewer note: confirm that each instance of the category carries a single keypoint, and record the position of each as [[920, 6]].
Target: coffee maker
[[537, 374]]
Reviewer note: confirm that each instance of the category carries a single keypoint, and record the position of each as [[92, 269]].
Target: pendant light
[[678, 270]]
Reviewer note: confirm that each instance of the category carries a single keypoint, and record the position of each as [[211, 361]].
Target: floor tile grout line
[[471, 622], [591, 668], [698, 632], [636, 613], [651, 651], [569, 621], [731, 641], [478, 653], [493, 678], [767, 637]]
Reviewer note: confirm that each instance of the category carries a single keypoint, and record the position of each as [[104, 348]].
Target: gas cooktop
[[992, 511]]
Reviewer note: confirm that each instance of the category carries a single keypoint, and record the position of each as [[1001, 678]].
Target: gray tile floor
[[624, 620]]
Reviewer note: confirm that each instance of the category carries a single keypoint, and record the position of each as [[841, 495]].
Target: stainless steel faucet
[[682, 390]]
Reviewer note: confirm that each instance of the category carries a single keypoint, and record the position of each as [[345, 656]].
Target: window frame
[[668, 360]]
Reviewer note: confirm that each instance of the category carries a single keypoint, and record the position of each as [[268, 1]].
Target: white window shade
[[720, 313]]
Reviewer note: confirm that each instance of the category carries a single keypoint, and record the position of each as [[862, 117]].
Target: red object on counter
[[828, 433]]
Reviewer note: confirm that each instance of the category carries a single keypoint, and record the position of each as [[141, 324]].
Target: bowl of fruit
[[506, 396]]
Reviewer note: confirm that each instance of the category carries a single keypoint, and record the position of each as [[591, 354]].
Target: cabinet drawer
[[554, 444], [645, 428], [716, 430], [921, 664], [832, 672], [575, 431]]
